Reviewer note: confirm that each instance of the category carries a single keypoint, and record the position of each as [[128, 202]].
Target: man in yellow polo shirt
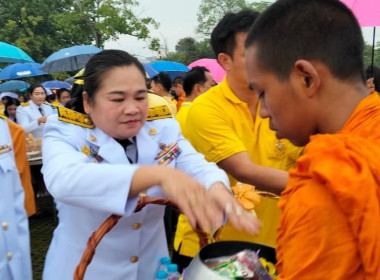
[[224, 125], [196, 81]]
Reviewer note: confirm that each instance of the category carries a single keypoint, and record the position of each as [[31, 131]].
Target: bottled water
[[164, 262], [161, 275], [173, 273]]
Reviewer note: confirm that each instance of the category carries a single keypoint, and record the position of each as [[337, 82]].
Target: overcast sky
[[177, 19]]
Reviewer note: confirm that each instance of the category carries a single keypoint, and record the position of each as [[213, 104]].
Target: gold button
[[134, 259], [136, 226], [9, 256], [5, 226]]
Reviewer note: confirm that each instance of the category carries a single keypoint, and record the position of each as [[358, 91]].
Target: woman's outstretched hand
[[240, 218], [204, 209], [207, 209]]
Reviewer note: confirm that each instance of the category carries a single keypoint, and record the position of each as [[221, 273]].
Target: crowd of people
[[294, 120]]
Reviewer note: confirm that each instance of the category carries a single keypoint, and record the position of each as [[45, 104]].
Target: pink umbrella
[[367, 13], [212, 65]]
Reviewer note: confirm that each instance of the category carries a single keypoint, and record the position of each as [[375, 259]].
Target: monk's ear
[[225, 61], [308, 75]]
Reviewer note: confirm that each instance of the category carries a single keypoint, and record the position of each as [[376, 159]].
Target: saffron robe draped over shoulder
[[19, 145], [330, 222]]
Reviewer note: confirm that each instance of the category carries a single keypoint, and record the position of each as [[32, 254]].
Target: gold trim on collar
[[71, 116], [158, 112]]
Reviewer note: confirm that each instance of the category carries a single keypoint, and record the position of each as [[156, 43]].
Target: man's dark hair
[[163, 79], [178, 80], [223, 35], [320, 30], [197, 75]]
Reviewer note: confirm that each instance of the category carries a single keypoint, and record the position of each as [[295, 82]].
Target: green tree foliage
[[41, 27], [107, 19], [189, 50], [368, 55], [211, 11]]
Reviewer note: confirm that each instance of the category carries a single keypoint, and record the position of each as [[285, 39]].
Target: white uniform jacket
[[89, 175], [27, 117], [15, 263]]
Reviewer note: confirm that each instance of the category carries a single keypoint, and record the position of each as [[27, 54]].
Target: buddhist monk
[[304, 58]]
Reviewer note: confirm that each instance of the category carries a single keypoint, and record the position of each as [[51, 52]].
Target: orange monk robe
[[330, 221], [19, 146], [180, 100]]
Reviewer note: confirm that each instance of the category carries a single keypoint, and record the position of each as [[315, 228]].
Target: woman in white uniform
[[92, 173], [33, 114], [15, 261]]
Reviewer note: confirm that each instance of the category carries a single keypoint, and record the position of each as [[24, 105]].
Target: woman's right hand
[[192, 198]]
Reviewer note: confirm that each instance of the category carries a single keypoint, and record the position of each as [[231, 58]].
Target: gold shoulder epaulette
[[71, 116], [2, 116], [158, 112], [24, 104]]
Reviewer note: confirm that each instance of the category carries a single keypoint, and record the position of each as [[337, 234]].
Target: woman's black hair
[[33, 87], [60, 91], [163, 79], [98, 65], [11, 101]]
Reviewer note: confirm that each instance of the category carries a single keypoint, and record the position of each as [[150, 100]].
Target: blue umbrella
[[150, 70], [55, 84], [69, 59], [174, 69], [14, 85], [12, 54], [21, 70]]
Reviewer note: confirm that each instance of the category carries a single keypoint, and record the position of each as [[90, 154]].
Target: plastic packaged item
[[173, 273], [161, 275], [164, 262]]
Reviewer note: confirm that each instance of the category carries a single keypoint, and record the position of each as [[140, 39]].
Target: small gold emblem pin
[[152, 131]]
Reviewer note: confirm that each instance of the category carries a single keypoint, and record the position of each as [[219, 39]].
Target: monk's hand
[[240, 218], [370, 85], [193, 200]]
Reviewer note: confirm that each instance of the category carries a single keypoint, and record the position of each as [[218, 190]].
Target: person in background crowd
[[113, 149], [177, 87], [33, 114], [63, 96], [51, 97], [196, 81], [4, 98], [373, 78], [15, 257], [225, 126], [10, 109], [161, 85], [313, 92], [21, 98]]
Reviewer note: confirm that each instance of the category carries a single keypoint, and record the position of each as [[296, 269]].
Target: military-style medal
[[168, 153], [5, 148]]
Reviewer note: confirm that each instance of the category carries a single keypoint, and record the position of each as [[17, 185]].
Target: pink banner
[[366, 11]]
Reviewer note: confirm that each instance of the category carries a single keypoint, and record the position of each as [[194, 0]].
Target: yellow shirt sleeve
[[211, 134]]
